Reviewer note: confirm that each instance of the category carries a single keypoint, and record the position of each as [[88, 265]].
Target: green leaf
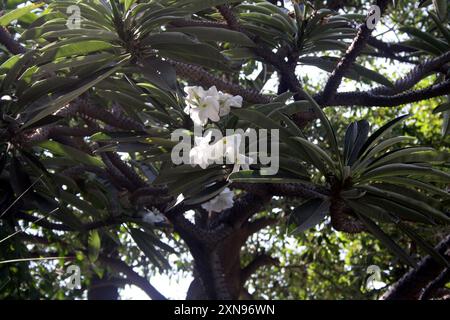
[[408, 182], [442, 107], [319, 153], [94, 244], [76, 48], [397, 209], [62, 100], [355, 72], [91, 33], [424, 245], [445, 31], [128, 4], [295, 107], [262, 121], [398, 156], [423, 46], [200, 54], [199, 5], [309, 214], [81, 204], [239, 53], [441, 7], [160, 73], [420, 206], [15, 70], [208, 193], [17, 13], [377, 135], [401, 169], [368, 209], [71, 153], [169, 37], [412, 193], [189, 185], [349, 140], [146, 244], [363, 128], [430, 40], [332, 139], [218, 35], [372, 75], [381, 147], [386, 240], [252, 176]]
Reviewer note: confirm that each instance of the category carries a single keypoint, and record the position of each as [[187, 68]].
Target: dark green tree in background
[[91, 92]]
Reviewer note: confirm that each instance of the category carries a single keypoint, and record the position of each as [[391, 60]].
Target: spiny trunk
[[102, 289], [229, 257]]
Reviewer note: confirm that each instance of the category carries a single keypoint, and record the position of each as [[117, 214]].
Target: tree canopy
[[267, 149]]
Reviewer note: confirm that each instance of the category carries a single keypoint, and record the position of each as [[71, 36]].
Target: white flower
[[227, 101], [222, 202], [201, 153], [229, 147], [204, 154], [243, 162], [209, 109], [210, 104], [153, 218], [202, 105]]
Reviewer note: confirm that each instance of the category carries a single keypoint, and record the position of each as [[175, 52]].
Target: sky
[[170, 288]]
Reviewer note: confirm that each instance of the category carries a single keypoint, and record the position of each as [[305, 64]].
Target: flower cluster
[[222, 202], [204, 153], [153, 217], [209, 104]]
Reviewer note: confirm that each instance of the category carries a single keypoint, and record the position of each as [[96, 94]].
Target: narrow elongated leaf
[[318, 152], [377, 135], [199, 5], [397, 156], [332, 139], [400, 169], [412, 193], [361, 139], [424, 244], [397, 209], [430, 40], [445, 31], [94, 244], [309, 214], [76, 48], [368, 209], [386, 240], [66, 98], [349, 140], [261, 121], [71, 153], [441, 7], [420, 206], [145, 243], [17, 13], [381, 147], [251, 176], [210, 192], [355, 72], [218, 34], [443, 107], [408, 182]]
